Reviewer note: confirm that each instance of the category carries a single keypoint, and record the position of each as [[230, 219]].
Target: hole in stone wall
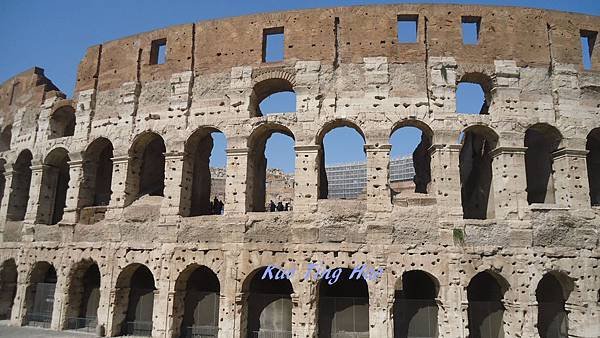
[[593, 165], [588, 41], [477, 193], [98, 173], [269, 306], [8, 288], [55, 178], [39, 298], [5, 138], [552, 318], [272, 96], [148, 159], [62, 122], [21, 181], [158, 52], [273, 44], [470, 99], [415, 308], [471, 26], [205, 168], [271, 169], [410, 169], [342, 162], [541, 140], [407, 28], [343, 307], [485, 309]]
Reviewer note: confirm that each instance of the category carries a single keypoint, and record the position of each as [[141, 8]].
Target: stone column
[[235, 184], [41, 194], [160, 309], [119, 186], [104, 313], [76, 177], [59, 308], [8, 181], [19, 307], [174, 187], [452, 303], [306, 178], [571, 178], [228, 303], [509, 182], [379, 318], [445, 187], [378, 182]]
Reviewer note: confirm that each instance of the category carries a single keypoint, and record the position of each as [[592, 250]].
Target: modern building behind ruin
[[501, 241]]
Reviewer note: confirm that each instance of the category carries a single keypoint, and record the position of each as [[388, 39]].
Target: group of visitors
[[279, 206], [216, 206]]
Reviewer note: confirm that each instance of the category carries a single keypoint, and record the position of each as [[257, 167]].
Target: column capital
[[120, 159], [309, 148], [508, 150], [236, 151], [564, 152], [39, 167], [449, 146], [377, 147], [174, 155]]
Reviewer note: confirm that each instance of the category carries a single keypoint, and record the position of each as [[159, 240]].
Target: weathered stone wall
[[347, 69]]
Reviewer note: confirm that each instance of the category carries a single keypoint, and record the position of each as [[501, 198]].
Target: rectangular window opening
[[14, 92], [158, 52], [273, 44], [588, 40], [407, 28], [471, 26]]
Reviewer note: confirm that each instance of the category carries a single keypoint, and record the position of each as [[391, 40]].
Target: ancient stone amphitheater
[[106, 223]]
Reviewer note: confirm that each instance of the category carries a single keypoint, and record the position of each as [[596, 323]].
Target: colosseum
[[106, 220]]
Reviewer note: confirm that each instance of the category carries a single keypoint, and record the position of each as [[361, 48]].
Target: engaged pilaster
[[571, 178], [378, 188], [306, 178], [235, 188]]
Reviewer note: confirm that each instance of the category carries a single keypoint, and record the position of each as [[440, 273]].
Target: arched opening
[[551, 296], [84, 297], [62, 122], [342, 161], [271, 163], [541, 140], [272, 96], [473, 94], [593, 165], [147, 162], [5, 138], [134, 301], [56, 180], [8, 288], [197, 303], [269, 305], [98, 169], [19, 189], [477, 193], [40, 295], [415, 308], [343, 306], [2, 180], [485, 310], [410, 161], [204, 167]]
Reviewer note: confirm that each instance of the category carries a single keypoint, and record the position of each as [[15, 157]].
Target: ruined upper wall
[[528, 36]]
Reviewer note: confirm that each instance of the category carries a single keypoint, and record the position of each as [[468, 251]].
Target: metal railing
[[200, 332], [39, 320], [350, 335], [270, 334], [137, 329], [85, 324]]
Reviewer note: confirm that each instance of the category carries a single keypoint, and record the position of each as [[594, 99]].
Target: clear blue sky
[[54, 35]]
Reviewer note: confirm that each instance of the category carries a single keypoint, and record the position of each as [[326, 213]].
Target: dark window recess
[[273, 44], [407, 28], [588, 40], [471, 26], [158, 52], [14, 92]]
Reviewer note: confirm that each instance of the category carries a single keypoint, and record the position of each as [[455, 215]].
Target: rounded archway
[[55, 178], [8, 287], [134, 301], [410, 160], [415, 308], [593, 165], [62, 122], [98, 168], [83, 297], [146, 166], [485, 294], [551, 295], [541, 140], [21, 182], [40, 293], [272, 95]]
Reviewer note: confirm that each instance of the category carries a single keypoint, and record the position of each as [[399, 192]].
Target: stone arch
[[343, 305], [62, 121], [55, 178], [196, 302], [267, 303], [134, 301], [421, 157], [267, 84], [83, 297], [593, 164], [196, 169], [19, 190], [97, 171], [5, 138], [541, 140], [146, 166], [477, 193], [8, 287], [552, 292], [415, 309], [481, 79], [485, 295], [257, 164], [40, 294], [323, 183]]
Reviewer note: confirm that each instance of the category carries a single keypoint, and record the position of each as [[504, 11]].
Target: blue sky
[[54, 35]]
